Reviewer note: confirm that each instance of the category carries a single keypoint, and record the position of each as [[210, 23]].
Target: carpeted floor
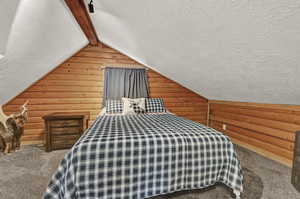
[[25, 174]]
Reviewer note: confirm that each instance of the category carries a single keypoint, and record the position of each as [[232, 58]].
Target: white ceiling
[[43, 35], [241, 50], [7, 15]]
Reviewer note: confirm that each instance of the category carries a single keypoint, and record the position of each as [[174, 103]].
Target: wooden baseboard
[[267, 154]]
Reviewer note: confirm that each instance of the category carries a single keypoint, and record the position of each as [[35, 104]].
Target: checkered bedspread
[[138, 156]]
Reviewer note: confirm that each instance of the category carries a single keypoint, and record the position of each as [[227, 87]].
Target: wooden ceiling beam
[[82, 17]]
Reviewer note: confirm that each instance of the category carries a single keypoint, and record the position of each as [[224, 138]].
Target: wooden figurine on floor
[[11, 129]]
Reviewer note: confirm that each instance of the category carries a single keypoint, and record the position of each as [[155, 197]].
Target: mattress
[[139, 156]]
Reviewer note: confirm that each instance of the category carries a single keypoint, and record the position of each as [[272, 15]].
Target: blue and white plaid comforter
[[139, 156]]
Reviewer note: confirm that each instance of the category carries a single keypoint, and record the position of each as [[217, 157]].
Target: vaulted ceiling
[[237, 50], [222, 49], [8, 10], [43, 34]]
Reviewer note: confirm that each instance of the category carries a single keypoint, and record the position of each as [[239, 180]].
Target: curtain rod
[[125, 66]]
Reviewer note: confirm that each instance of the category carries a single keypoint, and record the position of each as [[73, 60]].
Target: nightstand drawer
[[65, 123], [64, 139], [66, 130]]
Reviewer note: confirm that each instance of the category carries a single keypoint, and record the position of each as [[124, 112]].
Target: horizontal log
[[186, 104], [81, 71], [159, 94], [70, 83], [97, 49], [93, 66], [41, 94], [269, 147], [165, 85], [73, 77], [196, 118], [188, 109], [32, 137], [253, 111], [268, 127], [264, 130], [259, 121], [45, 101], [184, 99], [194, 113], [31, 142], [72, 65], [262, 137], [55, 107], [280, 108], [108, 55], [263, 152], [169, 90], [65, 89], [34, 125], [46, 112], [35, 120], [100, 60]]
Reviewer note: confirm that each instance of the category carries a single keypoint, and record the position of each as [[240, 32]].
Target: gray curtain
[[125, 82]]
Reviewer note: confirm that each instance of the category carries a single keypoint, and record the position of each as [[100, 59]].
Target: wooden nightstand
[[63, 129]]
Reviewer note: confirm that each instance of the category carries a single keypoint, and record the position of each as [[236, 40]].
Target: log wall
[[77, 85], [268, 129]]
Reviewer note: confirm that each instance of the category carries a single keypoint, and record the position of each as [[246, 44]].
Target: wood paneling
[[268, 129], [77, 85]]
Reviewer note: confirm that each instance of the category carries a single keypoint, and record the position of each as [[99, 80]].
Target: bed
[[144, 155]]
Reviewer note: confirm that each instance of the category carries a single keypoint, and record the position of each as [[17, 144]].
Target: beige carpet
[[25, 174]]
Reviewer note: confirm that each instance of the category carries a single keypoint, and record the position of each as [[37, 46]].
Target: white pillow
[[133, 106]]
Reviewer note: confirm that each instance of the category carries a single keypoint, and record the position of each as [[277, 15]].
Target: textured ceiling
[[222, 49], [7, 14], [44, 34], [227, 50]]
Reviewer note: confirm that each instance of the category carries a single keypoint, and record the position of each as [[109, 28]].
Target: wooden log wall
[[77, 85], [268, 129]]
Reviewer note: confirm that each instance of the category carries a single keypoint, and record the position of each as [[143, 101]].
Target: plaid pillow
[[114, 106], [155, 105]]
